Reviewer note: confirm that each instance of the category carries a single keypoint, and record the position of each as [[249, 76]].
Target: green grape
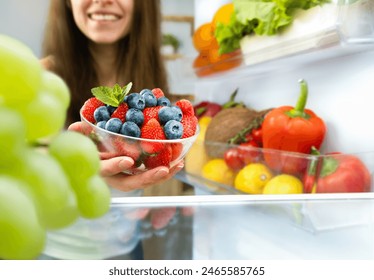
[[12, 137], [50, 189], [44, 116], [94, 198], [20, 72], [77, 154], [56, 86], [22, 236]]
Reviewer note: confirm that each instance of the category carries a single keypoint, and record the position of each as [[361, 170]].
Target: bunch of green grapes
[[47, 188]]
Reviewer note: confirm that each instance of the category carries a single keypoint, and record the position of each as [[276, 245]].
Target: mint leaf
[[111, 96], [126, 89]]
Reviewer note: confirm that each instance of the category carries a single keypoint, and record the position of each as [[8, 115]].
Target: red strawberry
[[127, 148], [162, 158], [120, 112], [186, 107], [151, 113], [152, 130], [158, 92], [89, 108], [176, 149], [189, 126]]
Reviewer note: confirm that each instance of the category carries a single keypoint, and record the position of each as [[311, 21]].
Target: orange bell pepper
[[292, 129]]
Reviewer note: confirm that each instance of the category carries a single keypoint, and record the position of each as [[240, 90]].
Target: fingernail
[[161, 173], [180, 165], [126, 163]]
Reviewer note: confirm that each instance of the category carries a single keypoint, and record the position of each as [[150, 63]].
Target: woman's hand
[[112, 170]]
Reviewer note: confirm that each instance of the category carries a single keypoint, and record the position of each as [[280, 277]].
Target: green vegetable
[[261, 17], [111, 96]]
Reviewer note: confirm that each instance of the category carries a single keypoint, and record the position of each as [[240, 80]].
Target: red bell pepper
[[343, 173], [292, 129]]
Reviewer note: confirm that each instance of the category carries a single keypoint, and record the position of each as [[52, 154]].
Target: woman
[[104, 42]]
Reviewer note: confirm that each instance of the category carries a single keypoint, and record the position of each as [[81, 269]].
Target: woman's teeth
[[107, 17]]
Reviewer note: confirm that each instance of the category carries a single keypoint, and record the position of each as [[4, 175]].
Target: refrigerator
[[215, 221]]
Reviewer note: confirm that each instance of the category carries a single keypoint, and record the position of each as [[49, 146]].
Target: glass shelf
[[341, 28]]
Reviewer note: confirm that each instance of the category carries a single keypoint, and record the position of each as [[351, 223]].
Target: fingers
[[77, 126], [148, 178], [116, 165]]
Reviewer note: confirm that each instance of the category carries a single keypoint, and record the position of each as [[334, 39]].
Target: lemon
[[218, 171], [252, 178], [196, 156], [284, 184]]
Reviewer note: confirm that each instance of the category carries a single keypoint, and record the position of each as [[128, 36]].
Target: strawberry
[[176, 149], [158, 92], [120, 112], [162, 158], [152, 130], [127, 148], [151, 113], [189, 126], [89, 108], [186, 107]]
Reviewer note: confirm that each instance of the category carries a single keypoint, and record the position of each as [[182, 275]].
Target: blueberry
[[101, 114], [166, 114], [101, 124], [130, 129], [149, 97], [113, 125], [135, 115], [135, 100], [173, 129], [163, 101], [111, 109]]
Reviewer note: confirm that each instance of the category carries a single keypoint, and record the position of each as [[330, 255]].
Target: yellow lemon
[[196, 156], [283, 184], [252, 178], [218, 171]]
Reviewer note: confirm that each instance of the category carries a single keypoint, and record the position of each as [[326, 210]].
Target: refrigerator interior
[[231, 226]]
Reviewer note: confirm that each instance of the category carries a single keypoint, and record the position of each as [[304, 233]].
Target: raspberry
[[186, 107], [158, 92], [120, 112], [89, 108]]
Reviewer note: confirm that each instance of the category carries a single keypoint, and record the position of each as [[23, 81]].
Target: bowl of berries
[[145, 126]]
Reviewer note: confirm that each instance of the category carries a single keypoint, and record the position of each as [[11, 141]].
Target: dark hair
[[139, 58]]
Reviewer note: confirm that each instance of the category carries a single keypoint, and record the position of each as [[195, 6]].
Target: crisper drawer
[[323, 226]]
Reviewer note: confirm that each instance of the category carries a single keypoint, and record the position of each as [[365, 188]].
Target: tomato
[[343, 173], [233, 159], [257, 135], [249, 152]]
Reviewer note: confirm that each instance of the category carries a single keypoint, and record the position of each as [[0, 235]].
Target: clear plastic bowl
[[147, 153]]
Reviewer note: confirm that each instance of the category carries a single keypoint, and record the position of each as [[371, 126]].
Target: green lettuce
[[261, 17]]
